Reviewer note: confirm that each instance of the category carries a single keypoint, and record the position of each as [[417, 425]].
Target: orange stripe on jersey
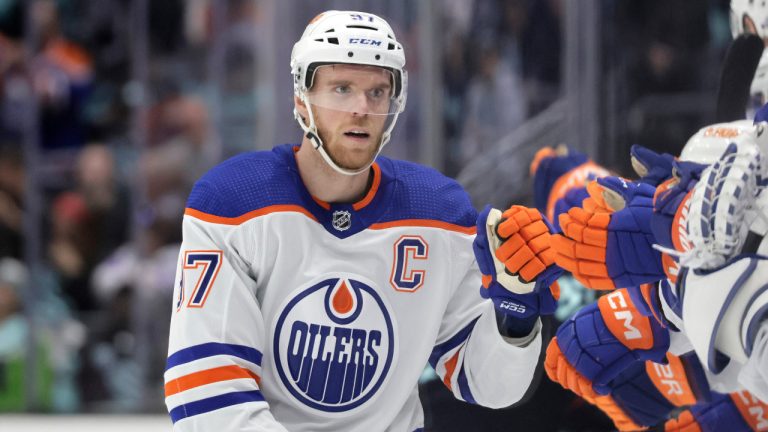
[[372, 191], [671, 381], [427, 223], [754, 412], [248, 216], [450, 367], [321, 203], [209, 376]]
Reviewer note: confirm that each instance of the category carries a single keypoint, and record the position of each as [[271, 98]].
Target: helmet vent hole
[[362, 27], [350, 54], [330, 30], [378, 57], [391, 47], [333, 40]]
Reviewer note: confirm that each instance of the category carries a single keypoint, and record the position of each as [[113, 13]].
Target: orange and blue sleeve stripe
[[444, 359], [222, 373]]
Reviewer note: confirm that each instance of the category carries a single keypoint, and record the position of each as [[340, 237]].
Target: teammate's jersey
[[294, 313]]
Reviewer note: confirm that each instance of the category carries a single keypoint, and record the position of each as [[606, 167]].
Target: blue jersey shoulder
[[420, 192], [244, 183]]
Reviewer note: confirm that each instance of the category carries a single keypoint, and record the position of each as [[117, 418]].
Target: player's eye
[[342, 89], [376, 93]]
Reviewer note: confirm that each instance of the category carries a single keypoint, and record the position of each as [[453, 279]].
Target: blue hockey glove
[[513, 252], [608, 242]]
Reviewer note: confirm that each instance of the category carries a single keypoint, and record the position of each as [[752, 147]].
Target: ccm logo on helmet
[[364, 41]]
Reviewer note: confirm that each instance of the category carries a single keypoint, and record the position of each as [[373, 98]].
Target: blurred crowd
[[118, 148]]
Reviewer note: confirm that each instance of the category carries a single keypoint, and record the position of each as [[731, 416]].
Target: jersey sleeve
[[217, 335], [472, 358]]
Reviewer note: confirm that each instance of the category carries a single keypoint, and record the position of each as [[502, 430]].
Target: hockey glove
[[608, 242], [513, 252], [736, 412], [653, 168], [643, 394], [556, 172], [606, 337]]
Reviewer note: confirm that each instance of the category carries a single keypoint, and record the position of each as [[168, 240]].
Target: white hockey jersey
[[295, 314]]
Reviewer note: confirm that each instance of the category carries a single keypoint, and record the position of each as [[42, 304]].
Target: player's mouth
[[357, 134]]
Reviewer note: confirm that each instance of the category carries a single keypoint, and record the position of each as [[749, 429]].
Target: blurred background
[[110, 109]]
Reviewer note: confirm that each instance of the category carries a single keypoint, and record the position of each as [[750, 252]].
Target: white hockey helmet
[[347, 37], [708, 144]]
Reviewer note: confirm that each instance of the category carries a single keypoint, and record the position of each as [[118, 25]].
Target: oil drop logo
[[334, 343]]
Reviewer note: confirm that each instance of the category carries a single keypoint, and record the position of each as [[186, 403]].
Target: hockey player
[[316, 280]]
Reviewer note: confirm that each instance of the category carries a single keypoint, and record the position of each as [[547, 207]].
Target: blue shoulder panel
[[255, 180], [247, 182], [419, 192]]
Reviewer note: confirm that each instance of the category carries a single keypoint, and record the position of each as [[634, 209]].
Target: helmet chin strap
[[313, 135]]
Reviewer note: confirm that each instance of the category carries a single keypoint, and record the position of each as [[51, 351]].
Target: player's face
[[351, 105]]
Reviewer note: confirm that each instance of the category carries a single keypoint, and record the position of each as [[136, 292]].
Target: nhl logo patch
[[342, 220]]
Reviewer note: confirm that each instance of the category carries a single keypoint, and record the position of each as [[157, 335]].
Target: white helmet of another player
[[347, 37], [708, 144]]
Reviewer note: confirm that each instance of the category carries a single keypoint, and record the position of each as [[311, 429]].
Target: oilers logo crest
[[334, 344]]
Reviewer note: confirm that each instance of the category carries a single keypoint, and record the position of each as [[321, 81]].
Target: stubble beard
[[340, 156]]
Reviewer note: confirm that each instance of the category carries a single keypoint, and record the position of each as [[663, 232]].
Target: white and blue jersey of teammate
[[316, 280]]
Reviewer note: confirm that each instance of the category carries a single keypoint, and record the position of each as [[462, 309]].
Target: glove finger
[[532, 268], [551, 358], [595, 283], [574, 231], [597, 269], [616, 193], [533, 230], [563, 246], [593, 206], [587, 252], [507, 227], [513, 211], [547, 256], [579, 215], [519, 259], [595, 236], [509, 247], [541, 243]]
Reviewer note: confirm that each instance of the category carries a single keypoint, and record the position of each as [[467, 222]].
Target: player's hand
[[736, 412], [608, 242], [513, 252], [605, 337], [558, 171], [653, 168], [642, 395]]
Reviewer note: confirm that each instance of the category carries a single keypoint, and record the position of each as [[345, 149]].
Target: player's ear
[[301, 107]]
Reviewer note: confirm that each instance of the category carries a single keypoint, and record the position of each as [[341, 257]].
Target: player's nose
[[361, 105]]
